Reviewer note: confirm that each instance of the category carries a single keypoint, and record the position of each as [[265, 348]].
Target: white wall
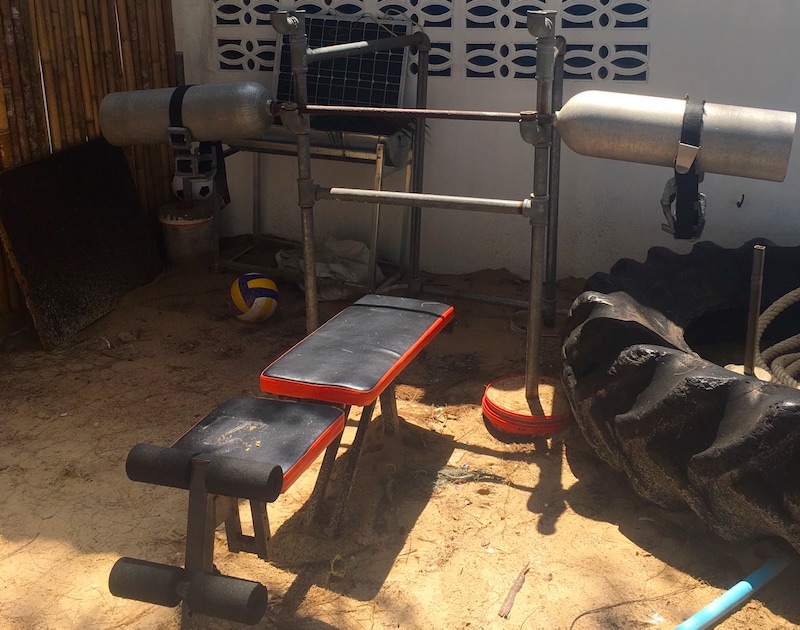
[[717, 50]]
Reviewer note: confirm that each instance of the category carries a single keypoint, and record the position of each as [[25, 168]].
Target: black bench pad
[[355, 355], [243, 439]]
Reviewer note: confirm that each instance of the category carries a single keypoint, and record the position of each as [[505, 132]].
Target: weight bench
[[354, 359], [255, 449]]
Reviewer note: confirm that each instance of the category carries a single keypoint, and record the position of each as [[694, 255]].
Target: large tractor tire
[[688, 432]]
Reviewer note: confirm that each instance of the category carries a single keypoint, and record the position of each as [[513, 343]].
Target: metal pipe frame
[[292, 23], [754, 310], [376, 222], [476, 297], [417, 170], [287, 23], [410, 112], [256, 194], [358, 195], [541, 24], [351, 49], [551, 257]]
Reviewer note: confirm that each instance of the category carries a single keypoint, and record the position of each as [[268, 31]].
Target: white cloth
[[343, 261]]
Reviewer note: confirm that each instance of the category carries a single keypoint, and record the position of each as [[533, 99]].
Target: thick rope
[[781, 360]]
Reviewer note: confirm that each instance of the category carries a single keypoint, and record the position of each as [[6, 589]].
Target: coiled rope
[[783, 359]]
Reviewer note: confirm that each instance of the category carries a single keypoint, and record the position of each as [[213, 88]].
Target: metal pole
[[410, 112], [475, 297], [256, 194], [351, 49], [756, 288], [417, 169], [376, 222], [293, 25], [180, 68], [551, 258], [396, 198], [541, 24]]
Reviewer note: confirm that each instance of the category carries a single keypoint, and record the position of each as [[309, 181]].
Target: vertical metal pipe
[[551, 259], [256, 193], [417, 169], [376, 221], [298, 45], [538, 245], [756, 289], [180, 68], [541, 24]]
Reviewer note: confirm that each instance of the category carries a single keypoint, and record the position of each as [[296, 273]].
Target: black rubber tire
[[687, 432]]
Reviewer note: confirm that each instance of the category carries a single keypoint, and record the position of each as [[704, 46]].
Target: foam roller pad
[[244, 478], [159, 465], [146, 581], [226, 597]]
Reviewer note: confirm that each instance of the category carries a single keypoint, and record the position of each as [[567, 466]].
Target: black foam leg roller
[[159, 465], [144, 581], [226, 597], [244, 479]]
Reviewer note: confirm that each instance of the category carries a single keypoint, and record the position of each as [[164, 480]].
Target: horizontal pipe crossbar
[[479, 204], [359, 48], [408, 112]]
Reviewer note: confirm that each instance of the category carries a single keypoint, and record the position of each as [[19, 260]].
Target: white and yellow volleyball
[[254, 297]]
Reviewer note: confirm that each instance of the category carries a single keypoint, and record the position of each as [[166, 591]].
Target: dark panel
[[368, 80], [76, 236]]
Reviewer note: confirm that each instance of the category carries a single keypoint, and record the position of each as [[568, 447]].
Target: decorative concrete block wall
[[484, 58]]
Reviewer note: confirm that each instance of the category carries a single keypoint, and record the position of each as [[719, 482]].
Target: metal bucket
[[190, 235]]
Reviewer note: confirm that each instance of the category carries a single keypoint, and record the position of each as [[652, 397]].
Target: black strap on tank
[[205, 148], [220, 175], [688, 216], [176, 106]]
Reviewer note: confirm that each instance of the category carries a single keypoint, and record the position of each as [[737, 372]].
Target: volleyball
[[254, 297]]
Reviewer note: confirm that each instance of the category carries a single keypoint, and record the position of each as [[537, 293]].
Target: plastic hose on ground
[[731, 599]]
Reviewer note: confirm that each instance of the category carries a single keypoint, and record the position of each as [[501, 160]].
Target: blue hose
[[731, 599]]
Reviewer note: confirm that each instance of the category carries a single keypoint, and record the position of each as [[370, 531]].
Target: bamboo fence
[[58, 58]]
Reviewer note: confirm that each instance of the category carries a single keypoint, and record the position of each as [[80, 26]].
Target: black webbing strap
[[213, 152], [220, 175], [176, 106], [687, 198]]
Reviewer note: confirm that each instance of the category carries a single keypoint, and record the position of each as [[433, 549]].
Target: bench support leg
[[391, 421], [325, 470], [353, 455], [200, 523], [257, 544], [200, 526]]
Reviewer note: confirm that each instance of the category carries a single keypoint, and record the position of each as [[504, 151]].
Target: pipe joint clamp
[[535, 133], [535, 208], [306, 192]]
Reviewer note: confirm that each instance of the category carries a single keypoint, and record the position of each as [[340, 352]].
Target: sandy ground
[[443, 519]]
